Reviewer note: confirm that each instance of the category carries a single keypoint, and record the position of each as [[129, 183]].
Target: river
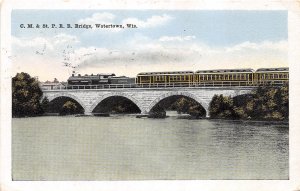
[[123, 147]]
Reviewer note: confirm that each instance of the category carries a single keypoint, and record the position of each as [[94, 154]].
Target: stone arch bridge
[[144, 98]]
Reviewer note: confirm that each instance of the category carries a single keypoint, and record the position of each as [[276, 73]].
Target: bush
[[45, 104], [187, 105], [221, 107], [69, 108]]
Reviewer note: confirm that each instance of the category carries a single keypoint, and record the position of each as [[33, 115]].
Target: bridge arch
[[203, 103], [119, 94], [51, 98]]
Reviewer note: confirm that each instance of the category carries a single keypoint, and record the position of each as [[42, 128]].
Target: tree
[[26, 95], [184, 105], [55, 80], [221, 107], [157, 112], [45, 104], [69, 108], [271, 103], [197, 110]]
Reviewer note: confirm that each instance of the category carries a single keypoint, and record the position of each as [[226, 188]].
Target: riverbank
[[185, 117]]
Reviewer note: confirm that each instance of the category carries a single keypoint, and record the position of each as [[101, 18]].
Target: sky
[[164, 40]]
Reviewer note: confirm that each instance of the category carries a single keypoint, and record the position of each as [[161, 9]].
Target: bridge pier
[[144, 112], [88, 113]]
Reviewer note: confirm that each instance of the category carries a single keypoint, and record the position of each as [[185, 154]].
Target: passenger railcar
[[182, 77], [271, 76], [228, 77]]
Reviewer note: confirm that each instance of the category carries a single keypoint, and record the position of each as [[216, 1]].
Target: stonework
[[145, 99]]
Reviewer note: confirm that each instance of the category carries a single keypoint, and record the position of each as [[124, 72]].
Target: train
[[222, 77]]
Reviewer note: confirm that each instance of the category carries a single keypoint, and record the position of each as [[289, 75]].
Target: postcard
[[115, 96]]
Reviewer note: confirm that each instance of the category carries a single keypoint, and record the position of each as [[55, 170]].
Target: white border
[[293, 7]]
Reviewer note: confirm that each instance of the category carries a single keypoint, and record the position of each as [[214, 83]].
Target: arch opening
[[63, 105], [116, 105], [177, 105]]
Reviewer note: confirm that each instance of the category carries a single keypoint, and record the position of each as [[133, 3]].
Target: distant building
[[48, 85]]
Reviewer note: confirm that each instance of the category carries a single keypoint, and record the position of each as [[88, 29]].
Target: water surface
[[128, 148]]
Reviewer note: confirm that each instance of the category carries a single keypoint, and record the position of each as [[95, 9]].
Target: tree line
[[263, 103]]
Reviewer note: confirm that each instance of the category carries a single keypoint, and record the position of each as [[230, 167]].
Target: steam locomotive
[[99, 79]]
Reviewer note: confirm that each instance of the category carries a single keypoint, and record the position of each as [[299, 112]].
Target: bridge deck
[[239, 84]]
